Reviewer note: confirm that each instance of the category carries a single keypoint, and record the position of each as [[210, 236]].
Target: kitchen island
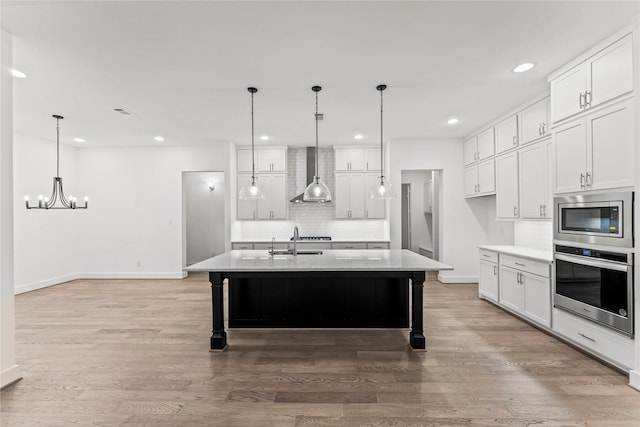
[[333, 289]]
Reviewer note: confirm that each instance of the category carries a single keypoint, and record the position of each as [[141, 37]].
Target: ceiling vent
[[124, 112]]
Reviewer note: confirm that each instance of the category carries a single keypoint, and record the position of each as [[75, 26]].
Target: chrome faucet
[[296, 236]]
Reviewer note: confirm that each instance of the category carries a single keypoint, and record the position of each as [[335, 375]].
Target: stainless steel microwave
[[600, 219]]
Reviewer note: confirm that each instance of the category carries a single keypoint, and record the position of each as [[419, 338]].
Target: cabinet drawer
[[242, 246], [488, 255], [347, 245], [535, 267], [615, 347], [378, 245]]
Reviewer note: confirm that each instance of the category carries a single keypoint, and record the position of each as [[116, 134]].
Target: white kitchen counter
[[329, 260], [534, 254], [280, 241]]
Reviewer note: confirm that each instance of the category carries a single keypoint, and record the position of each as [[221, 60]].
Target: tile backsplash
[[534, 234], [312, 219]]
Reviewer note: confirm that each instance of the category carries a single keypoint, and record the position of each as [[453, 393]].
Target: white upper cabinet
[[371, 159], [507, 206], [533, 122], [374, 208], [274, 206], [597, 151], [506, 134], [533, 182], [273, 159], [604, 76], [349, 159], [479, 180], [479, 147], [350, 196]]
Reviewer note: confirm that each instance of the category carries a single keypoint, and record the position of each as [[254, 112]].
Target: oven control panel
[[593, 253]]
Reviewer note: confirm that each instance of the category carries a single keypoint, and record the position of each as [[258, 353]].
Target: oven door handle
[[592, 263]]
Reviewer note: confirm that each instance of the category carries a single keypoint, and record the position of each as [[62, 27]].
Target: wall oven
[[595, 284], [599, 219]]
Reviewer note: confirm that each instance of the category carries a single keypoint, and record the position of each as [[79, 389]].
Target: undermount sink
[[276, 252]]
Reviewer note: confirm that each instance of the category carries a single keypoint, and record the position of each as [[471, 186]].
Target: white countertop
[[312, 241], [534, 254], [330, 260]]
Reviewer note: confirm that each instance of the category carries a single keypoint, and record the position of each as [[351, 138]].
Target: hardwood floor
[[135, 352]]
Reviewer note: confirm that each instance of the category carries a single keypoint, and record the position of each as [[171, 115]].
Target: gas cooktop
[[313, 238]]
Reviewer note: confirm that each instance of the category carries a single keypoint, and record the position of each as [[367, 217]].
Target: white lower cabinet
[[488, 284], [603, 342]]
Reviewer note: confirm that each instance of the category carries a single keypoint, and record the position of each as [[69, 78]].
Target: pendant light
[[252, 191], [383, 188], [57, 194], [317, 191]]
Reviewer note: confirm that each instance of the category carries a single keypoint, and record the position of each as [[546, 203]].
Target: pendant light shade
[[381, 189], [57, 194], [251, 190], [317, 191]]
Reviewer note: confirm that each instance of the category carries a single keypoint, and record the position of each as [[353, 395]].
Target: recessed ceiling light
[[19, 74], [523, 67], [264, 137], [453, 121], [78, 139], [359, 136], [158, 138]]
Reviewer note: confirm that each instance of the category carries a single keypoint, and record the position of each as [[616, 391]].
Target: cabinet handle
[[520, 264], [518, 278], [544, 210], [495, 270], [486, 256], [582, 98], [366, 214], [581, 180], [586, 337], [540, 129], [515, 211], [588, 180], [515, 140], [540, 210], [475, 155], [587, 102], [544, 128]]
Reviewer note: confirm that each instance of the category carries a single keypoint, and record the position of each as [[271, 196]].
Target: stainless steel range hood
[[311, 167]]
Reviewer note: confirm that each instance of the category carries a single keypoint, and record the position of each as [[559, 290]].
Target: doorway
[[420, 206], [203, 197]]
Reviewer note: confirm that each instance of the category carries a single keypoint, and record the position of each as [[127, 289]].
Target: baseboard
[[46, 283], [57, 280], [457, 279], [634, 379], [10, 376], [131, 275]]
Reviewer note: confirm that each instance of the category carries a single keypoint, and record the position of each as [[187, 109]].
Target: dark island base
[[318, 300]]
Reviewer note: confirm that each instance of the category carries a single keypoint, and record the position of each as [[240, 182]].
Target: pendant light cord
[[316, 136], [381, 157], [253, 161]]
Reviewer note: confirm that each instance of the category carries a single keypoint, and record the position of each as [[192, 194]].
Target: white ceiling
[[183, 67]]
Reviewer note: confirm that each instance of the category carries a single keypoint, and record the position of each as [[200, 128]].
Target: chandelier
[[57, 194]]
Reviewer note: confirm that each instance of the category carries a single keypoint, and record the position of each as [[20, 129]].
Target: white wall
[[133, 227], [465, 223], [9, 371], [204, 211], [48, 239]]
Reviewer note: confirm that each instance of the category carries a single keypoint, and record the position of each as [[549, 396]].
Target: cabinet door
[[511, 292], [570, 156], [349, 159], [374, 208], [537, 298], [566, 91], [487, 177], [506, 134], [341, 196], [531, 169], [507, 186], [246, 209], [610, 139], [278, 195], [486, 144], [357, 195], [271, 160], [264, 205], [244, 160], [611, 72], [533, 122], [371, 159], [549, 162], [471, 180], [488, 284], [470, 149]]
